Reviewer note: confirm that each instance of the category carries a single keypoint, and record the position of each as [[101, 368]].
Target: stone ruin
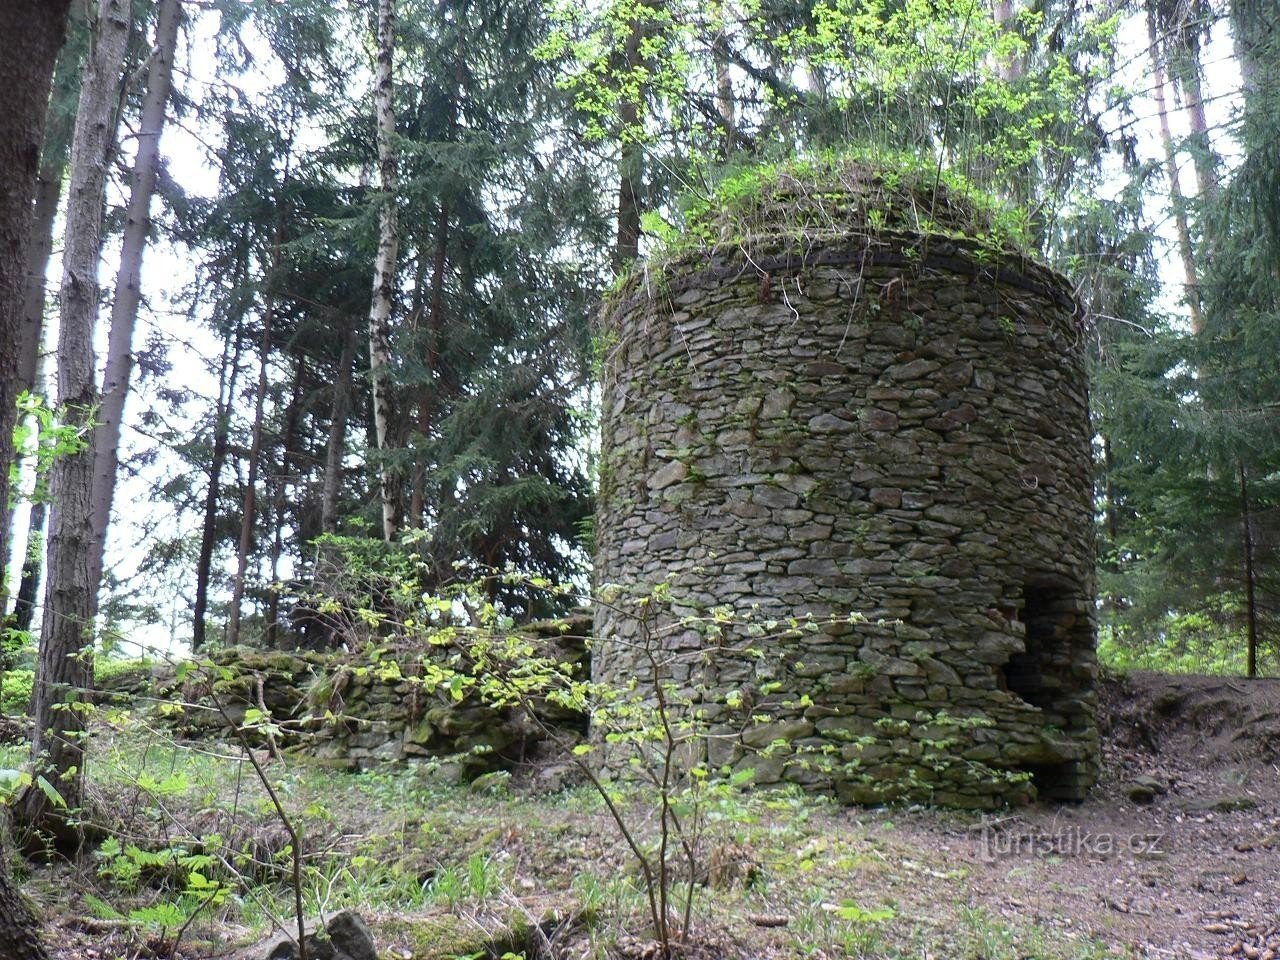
[[856, 402]]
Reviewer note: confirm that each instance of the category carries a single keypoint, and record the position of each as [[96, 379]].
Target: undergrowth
[[197, 851]]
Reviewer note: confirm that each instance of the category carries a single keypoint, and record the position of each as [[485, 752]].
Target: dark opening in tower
[[1043, 676], [1025, 673]]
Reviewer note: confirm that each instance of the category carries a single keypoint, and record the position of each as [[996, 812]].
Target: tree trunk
[[54, 155], [429, 400], [24, 603], [1175, 188], [31, 34], [128, 293], [385, 267], [65, 670], [24, 606], [1247, 31], [208, 530], [1013, 68], [293, 413], [250, 503], [337, 444], [31, 330], [631, 160], [630, 187], [426, 397], [19, 930], [724, 91], [48, 194], [1187, 71], [1250, 577]]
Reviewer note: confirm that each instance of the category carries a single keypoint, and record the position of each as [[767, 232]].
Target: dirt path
[[1193, 871]]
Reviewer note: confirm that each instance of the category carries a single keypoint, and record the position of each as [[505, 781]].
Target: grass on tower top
[[808, 200]]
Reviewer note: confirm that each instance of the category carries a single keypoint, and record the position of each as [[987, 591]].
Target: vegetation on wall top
[[835, 193]]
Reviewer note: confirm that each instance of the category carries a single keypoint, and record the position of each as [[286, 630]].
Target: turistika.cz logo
[[1072, 842]]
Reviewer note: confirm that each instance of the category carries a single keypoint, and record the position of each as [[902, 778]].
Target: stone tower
[[856, 406]]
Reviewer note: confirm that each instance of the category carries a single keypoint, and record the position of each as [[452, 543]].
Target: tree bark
[[31, 34], [337, 443], [724, 90], [24, 606], [31, 330], [631, 158], [1187, 71], [250, 504], [281, 481], [1175, 188], [54, 155], [630, 164], [65, 670], [1006, 18], [19, 931], [24, 602], [209, 528], [105, 441], [1250, 576], [427, 395], [48, 194], [385, 267]]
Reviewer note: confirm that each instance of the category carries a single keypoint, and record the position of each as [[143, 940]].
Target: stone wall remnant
[[859, 404]]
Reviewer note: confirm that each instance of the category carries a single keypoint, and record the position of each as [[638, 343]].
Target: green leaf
[[851, 910], [49, 791], [162, 916]]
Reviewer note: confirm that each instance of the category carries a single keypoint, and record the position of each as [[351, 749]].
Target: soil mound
[[1225, 720]]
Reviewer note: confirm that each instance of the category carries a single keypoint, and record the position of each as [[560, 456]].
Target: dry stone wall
[[345, 711], [885, 424]]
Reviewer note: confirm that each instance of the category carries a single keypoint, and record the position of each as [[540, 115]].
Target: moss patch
[[833, 194]]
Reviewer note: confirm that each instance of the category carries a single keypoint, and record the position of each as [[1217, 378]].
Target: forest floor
[[1184, 863]]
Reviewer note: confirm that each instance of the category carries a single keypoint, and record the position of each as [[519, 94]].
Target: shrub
[[15, 690]]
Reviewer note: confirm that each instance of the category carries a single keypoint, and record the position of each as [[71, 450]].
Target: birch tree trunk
[[105, 440], [65, 670], [31, 34], [384, 271]]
